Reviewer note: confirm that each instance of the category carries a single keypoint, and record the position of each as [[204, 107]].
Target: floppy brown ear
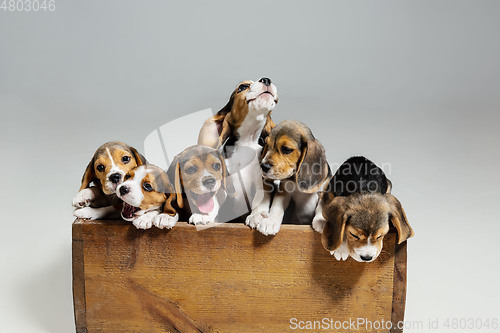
[[139, 159], [226, 179], [167, 207], [313, 169], [178, 186], [267, 127], [88, 175], [264, 149], [336, 217], [174, 176], [398, 219]]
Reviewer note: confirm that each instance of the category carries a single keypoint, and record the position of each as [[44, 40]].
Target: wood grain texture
[[399, 292], [226, 278]]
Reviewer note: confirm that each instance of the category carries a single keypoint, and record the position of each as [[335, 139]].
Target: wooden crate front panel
[[226, 278]]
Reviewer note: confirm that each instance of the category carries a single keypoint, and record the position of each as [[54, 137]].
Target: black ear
[[226, 178], [398, 219], [335, 215], [313, 169], [88, 176], [139, 159]]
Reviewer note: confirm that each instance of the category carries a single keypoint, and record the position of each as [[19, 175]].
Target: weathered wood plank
[[226, 278]]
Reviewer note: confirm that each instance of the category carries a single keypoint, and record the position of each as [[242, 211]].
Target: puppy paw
[[83, 198], [318, 224], [165, 221], [143, 222], [340, 254], [200, 219], [88, 213], [269, 226], [255, 218]]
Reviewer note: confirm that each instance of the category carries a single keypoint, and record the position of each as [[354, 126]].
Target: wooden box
[[228, 278]]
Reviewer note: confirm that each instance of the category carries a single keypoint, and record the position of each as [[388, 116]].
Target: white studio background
[[411, 83]]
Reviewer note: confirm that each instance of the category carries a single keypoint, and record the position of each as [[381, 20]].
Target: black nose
[[265, 167], [366, 258], [124, 190], [209, 182], [115, 178], [266, 81]]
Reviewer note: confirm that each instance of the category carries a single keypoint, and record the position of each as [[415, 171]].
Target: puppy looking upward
[[293, 156], [239, 127], [105, 171]]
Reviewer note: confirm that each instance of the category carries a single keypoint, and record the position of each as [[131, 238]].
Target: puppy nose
[[266, 81], [366, 258], [124, 190], [115, 178], [265, 166], [209, 182]]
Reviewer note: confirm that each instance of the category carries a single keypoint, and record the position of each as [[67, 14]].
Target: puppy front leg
[[272, 224], [92, 196], [260, 207], [165, 221], [319, 222], [95, 213], [145, 221]]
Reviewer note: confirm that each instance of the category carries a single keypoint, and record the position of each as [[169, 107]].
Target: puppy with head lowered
[[147, 195], [201, 182], [293, 156], [240, 127], [105, 171], [358, 208]]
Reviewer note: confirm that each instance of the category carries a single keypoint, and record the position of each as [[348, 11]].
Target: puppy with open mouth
[[147, 195], [200, 177]]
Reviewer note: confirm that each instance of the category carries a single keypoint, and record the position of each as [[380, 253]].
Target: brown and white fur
[[105, 171], [147, 195], [239, 125], [295, 158], [358, 208], [201, 183]]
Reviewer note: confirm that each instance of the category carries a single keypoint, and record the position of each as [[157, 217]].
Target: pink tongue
[[205, 203]]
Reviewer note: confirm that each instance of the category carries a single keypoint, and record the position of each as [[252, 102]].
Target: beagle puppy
[[147, 195], [240, 127], [358, 209], [295, 158], [105, 171], [201, 183]]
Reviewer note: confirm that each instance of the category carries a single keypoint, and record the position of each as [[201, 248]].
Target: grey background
[[412, 84]]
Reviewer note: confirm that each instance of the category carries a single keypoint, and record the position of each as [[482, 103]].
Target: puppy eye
[[353, 235], [286, 150], [192, 170], [216, 166], [147, 187], [100, 168], [125, 159], [127, 176], [242, 87], [380, 237]]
